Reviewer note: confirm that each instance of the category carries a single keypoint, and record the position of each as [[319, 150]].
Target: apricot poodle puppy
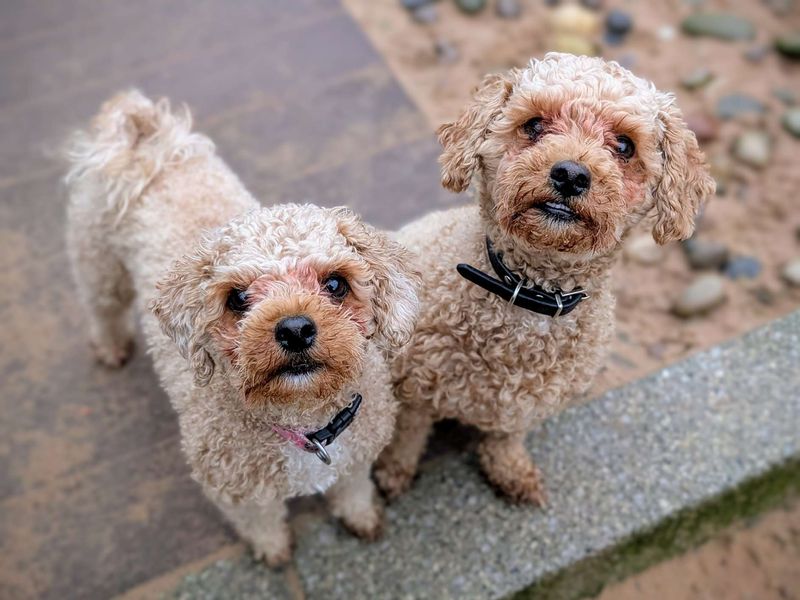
[[267, 326], [566, 156]]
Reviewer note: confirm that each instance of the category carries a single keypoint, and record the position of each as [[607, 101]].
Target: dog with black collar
[[565, 156]]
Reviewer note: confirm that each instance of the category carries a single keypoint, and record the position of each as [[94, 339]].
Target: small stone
[[574, 44], [644, 250], [753, 148], [791, 121], [414, 4], [471, 6], [780, 7], [757, 53], [743, 267], [789, 44], [666, 33], [763, 295], [573, 19], [592, 4], [791, 272], [425, 14], [697, 78], [724, 26], [705, 254], [734, 105], [446, 52], [618, 25], [508, 9], [705, 126], [785, 95], [703, 294]]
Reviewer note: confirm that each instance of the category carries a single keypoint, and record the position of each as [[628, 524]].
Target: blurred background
[[336, 103]]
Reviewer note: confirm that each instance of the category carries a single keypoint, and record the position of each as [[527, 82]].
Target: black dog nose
[[296, 334], [570, 178]]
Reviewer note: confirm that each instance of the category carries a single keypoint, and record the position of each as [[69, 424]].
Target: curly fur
[[500, 368], [156, 218]]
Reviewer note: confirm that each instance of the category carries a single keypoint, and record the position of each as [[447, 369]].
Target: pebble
[[508, 9], [705, 126], [414, 4], [705, 254], [644, 250], [764, 295], [785, 95], [592, 4], [733, 105], [780, 7], [757, 53], [697, 78], [789, 44], [446, 52], [703, 294], [724, 26], [743, 267], [791, 121], [574, 19], [618, 25], [574, 44], [471, 6], [753, 148], [791, 272], [425, 14], [666, 33]]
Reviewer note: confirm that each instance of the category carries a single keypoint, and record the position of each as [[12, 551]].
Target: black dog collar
[[317, 440], [512, 288]]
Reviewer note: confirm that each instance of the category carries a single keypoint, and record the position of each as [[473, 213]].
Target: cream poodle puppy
[[566, 156], [267, 326]]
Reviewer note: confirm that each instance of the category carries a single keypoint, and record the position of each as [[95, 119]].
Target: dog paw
[[273, 555], [367, 525], [110, 355], [392, 479], [525, 488]]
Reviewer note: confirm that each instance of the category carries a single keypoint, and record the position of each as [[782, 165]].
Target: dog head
[[572, 151], [287, 299]]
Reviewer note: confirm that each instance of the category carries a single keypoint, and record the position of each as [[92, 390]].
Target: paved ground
[[94, 494]]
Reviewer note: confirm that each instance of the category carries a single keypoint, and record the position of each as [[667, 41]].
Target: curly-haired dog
[[268, 325], [567, 155]]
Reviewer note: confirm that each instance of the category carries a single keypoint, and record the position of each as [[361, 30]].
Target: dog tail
[[130, 141]]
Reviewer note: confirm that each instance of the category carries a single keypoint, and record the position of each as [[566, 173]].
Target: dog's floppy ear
[[462, 138], [685, 180], [394, 280], [179, 307]]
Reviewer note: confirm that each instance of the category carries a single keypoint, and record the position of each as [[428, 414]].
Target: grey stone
[[471, 6], [705, 254], [743, 267], [733, 105], [446, 52], [724, 26], [592, 4], [789, 44], [415, 4], [785, 95], [791, 121], [757, 53], [508, 9], [703, 294], [754, 148], [705, 126], [243, 579], [780, 7], [791, 272], [618, 24], [697, 78], [425, 14]]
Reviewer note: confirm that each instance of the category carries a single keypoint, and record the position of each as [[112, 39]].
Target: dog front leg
[[352, 500], [264, 527], [508, 466], [398, 462]]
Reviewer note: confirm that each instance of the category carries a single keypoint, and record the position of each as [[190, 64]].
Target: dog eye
[[624, 146], [336, 286], [533, 128], [237, 301]]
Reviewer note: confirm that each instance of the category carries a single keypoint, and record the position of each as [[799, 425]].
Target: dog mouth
[[557, 210], [296, 369]]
